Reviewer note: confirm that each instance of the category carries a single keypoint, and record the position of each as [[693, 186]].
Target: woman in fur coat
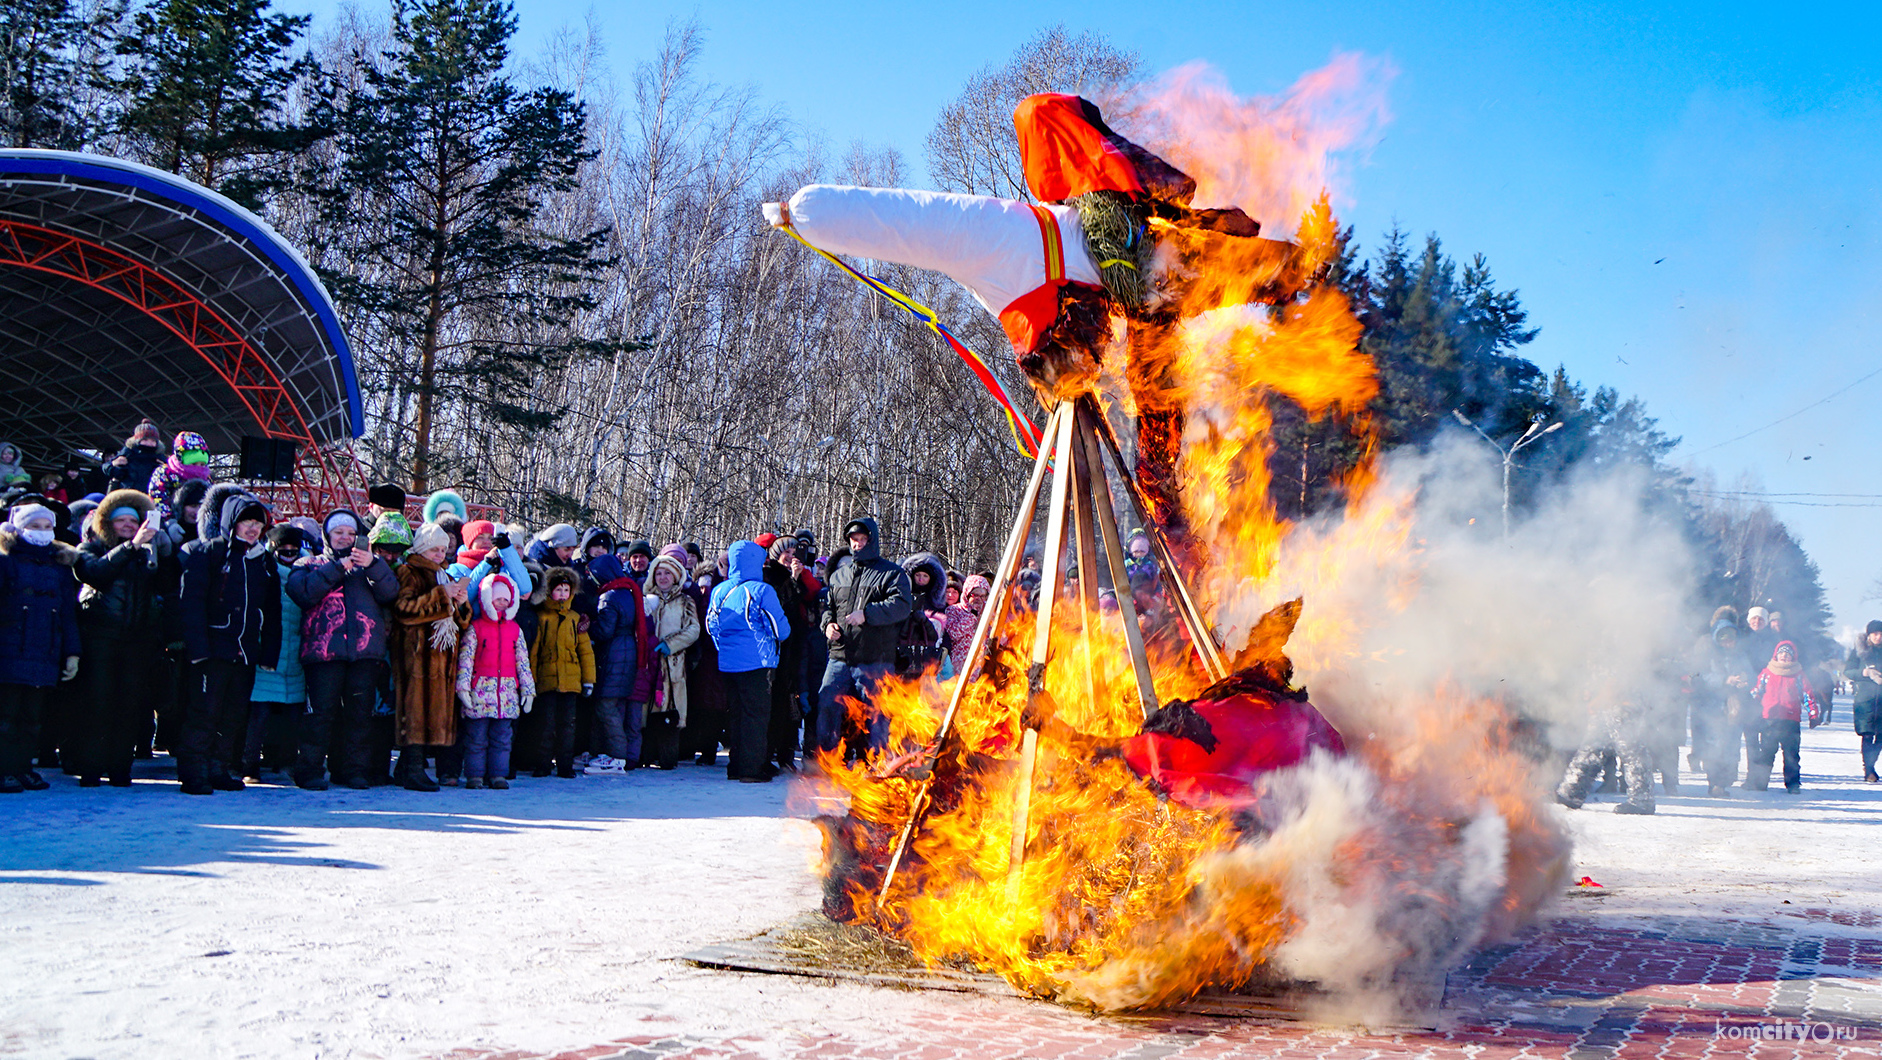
[[430, 615]]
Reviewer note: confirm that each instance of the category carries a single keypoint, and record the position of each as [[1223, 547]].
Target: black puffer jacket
[[920, 643], [124, 583], [879, 589], [231, 595]]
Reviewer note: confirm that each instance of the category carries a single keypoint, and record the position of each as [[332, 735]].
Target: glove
[[528, 702], [71, 668], [588, 690], [663, 649], [501, 540]]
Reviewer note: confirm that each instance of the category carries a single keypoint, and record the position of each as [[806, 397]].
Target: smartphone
[[153, 518]]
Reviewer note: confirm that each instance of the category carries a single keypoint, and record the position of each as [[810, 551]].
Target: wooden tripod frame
[[1075, 441]]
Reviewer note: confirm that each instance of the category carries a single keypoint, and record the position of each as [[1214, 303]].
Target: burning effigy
[[1125, 799]]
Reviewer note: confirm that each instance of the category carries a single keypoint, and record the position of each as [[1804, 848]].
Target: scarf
[[185, 471]]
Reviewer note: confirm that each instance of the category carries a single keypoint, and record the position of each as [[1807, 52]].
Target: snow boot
[[1568, 801], [500, 783], [1633, 807], [475, 784], [411, 771]]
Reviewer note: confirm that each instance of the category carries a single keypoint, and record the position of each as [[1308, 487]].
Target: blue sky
[[1688, 196]]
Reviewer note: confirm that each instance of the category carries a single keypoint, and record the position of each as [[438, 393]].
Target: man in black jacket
[[869, 598], [231, 609]]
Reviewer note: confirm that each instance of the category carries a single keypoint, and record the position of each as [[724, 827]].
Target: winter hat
[[765, 541], [477, 528], [974, 581], [430, 535], [775, 550], [693, 550], [391, 531], [310, 530], [338, 516], [1874, 626], [387, 495], [1756, 612], [26, 513], [641, 548], [605, 569], [807, 539], [1721, 629], [286, 534], [449, 522], [144, 432], [187, 492], [558, 535], [671, 565], [243, 506], [81, 511], [1783, 668]]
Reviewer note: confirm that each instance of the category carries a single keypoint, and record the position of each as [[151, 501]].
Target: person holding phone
[[343, 598], [125, 562]]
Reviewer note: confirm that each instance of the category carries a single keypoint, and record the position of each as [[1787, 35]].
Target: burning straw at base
[[1362, 863]]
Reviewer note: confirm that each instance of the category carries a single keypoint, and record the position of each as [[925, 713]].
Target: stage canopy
[[127, 292]]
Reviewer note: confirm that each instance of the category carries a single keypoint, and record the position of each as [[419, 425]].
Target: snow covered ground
[[385, 923]]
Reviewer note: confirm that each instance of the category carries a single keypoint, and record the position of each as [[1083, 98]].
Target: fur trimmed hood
[[209, 516], [552, 577], [483, 596], [446, 500], [936, 597], [98, 524]]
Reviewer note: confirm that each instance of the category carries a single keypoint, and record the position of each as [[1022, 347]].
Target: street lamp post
[[1534, 433]]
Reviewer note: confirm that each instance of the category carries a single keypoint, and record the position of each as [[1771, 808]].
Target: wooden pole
[[1084, 546], [1114, 557], [1186, 609], [1062, 475], [984, 632]]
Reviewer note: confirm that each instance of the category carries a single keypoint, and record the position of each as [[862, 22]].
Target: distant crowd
[[158, 611], [1748, 688]]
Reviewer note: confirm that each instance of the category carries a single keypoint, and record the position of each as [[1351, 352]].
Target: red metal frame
[[328, 477]]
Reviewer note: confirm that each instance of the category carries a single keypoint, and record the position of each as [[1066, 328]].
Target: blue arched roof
[[224, 254]]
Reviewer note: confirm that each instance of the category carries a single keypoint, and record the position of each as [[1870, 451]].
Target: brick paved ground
[[1663, 989]]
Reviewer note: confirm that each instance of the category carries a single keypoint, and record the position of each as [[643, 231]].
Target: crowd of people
[[160, 611], [1747, 688], [145, 608]]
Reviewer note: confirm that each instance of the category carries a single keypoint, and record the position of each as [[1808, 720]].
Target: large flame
[[1358, 873]]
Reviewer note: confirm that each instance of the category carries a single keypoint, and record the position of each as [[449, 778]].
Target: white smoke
[[1424, 630]]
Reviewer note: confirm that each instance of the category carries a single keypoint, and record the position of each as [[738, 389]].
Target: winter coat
[[621, 638], [344, 612], [561, 655], [1713, 665], [230, 601], [493, 660], [426, 629], [123, 583], [38, 610], [920, 644], [795, 600], [744, 616], [963, 621], [1784, 697], [1868, 694], [879, 589], [674, 623], [288, 682], [140, 464]]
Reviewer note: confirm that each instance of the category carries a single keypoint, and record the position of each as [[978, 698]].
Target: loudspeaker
[[268, 459]]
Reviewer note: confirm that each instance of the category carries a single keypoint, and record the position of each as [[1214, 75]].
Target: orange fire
[[1127, 900]]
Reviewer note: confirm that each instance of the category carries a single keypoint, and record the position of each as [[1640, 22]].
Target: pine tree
[[46, 60], [445, 168]]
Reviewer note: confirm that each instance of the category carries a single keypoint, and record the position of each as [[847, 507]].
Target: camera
[[501, 540]]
